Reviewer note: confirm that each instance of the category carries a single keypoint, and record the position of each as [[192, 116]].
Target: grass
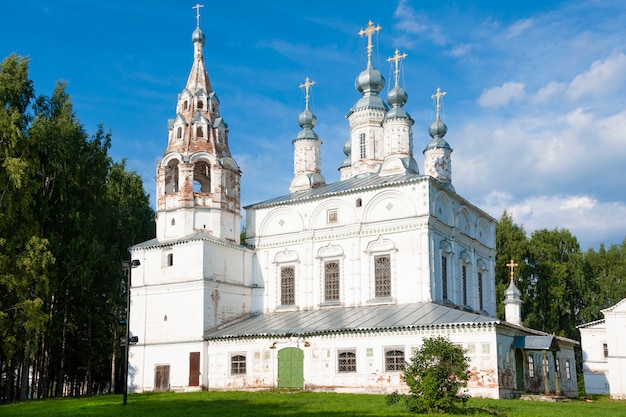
[[280, 403]]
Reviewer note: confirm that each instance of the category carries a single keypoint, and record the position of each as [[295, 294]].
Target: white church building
[[604, 353], [337, 284]]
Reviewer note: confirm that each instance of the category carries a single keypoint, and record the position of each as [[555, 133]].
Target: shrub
[[435, 375]]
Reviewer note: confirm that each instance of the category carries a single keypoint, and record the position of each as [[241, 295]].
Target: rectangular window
[[481, 305], [331, 281], [346, 361], [444, 277], [362, 145], [238, 365], [331, 216], [531, 366], [605, 349], [394, 360], [288, 286], [382, 276], [568, 370], [464, 283]]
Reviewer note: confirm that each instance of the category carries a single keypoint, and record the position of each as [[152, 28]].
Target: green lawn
[[276, 403]]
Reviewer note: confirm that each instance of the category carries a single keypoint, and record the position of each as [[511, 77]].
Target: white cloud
[[602, 78], [584, 216], [579, 117], [546, 93], [409, 22], [461, 50], [518, 27], [501, 96]]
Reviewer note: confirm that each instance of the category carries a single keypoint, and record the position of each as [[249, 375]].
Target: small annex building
[[604, 353], [337, 283]]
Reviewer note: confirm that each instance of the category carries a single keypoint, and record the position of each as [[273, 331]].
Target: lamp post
[[127, 266]]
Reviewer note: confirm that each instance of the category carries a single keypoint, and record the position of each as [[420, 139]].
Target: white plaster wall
[[320, 360], [595, 365], [143, 359]]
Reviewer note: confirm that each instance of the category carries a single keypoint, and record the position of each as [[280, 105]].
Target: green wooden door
[[291, 368]]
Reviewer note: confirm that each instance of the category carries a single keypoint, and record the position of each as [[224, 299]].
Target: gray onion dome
[[397, 96], [198, 36], [370, 81], [437, 129], [307, 119]]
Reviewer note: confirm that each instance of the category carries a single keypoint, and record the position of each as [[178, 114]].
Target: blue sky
[[536, 108]]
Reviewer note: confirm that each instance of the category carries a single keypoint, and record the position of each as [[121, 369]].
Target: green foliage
[[435, 375], [68, 213]]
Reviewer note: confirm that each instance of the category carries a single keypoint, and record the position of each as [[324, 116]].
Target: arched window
[[287, 286], [179, 132], [170, 259], [382, 276], [359, 202], [199, 132], [394, 360], [346, 362], [238, 365], [331, 281], [185, 105], [200, 104]]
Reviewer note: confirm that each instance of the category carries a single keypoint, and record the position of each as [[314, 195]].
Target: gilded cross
[[438, 96], [197, 7], [512, 266], [396, 58], [369, 31], [307, 85]]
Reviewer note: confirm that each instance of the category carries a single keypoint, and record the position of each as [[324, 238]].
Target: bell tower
[[197, 179]]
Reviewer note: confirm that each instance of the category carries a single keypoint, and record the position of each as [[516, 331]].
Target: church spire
[[512, 301], [197, 179], [438, 163], [397, 128], [365, 151], [306, 148]]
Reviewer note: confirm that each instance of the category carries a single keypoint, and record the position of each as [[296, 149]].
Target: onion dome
[[512, 293], [397, 98], [347, 150], [198, 36], [307, 120], [438, 129], [369, 81]]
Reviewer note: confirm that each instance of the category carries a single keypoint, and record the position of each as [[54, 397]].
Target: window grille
[[346, 362], [331, 281], [382, 276], [362, 145], [394, 360], [288, 286]]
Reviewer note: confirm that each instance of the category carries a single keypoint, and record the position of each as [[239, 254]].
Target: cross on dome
[[307, 85], [396, 58], [512, 266], [197, 7], [369, 31], [438, 96]]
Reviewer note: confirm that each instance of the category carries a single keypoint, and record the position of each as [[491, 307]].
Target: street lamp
[[127, 266]]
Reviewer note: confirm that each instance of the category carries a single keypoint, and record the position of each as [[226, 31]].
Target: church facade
[[337, 284]]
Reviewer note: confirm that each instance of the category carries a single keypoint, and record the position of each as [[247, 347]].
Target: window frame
[[332, 281], [382, 277], [346, 361], [393, 356], [238, 364], [290, 298]]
